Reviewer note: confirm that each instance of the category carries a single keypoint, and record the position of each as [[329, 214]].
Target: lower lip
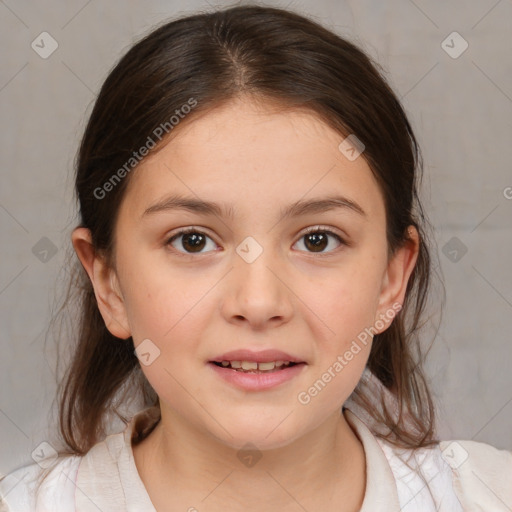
[[257, 381]]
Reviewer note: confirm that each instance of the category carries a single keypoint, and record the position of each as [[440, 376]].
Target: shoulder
[[423, 479], [482, 474], [20, 491], [454, 475]]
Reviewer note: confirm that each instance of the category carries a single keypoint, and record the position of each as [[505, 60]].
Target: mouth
[[255, 367], [255, 376]]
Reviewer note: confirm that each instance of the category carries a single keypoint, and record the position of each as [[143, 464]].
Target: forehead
[[246, 152]]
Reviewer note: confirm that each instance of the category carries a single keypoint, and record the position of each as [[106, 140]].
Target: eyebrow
[[301, 207]]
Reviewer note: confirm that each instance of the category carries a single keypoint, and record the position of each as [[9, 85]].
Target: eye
[[192, 240], [317, 239]]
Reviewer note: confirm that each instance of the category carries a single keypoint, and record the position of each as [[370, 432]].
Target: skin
[[195, 306]]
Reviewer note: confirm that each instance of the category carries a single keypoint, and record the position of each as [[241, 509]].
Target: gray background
[[461, 109]]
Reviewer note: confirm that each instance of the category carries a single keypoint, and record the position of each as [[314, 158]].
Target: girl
[[254, 273]]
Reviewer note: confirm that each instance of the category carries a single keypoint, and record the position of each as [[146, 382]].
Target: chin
[[263, 436]]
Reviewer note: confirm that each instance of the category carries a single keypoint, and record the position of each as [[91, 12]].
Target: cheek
[[168, 311], [167, 305], [152, 297], [339, 316], [345, 301]]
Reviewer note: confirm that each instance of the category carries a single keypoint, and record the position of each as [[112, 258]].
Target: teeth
[[253, 365], [266, 366]]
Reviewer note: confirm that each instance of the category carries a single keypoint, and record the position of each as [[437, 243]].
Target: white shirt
[[461, 475]]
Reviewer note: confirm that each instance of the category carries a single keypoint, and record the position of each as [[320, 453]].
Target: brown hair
[[277, 56]]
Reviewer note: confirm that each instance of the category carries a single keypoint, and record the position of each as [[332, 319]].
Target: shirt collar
[[107, 474], [107, 477], [381, 492]]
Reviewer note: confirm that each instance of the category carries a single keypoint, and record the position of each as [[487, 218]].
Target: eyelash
[[316, 229]]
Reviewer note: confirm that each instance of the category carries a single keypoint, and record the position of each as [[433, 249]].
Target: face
[[249, 277]]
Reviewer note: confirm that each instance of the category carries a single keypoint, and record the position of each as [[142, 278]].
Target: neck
[[324, 470]]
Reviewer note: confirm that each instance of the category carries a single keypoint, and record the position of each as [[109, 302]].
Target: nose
[[257, 292]]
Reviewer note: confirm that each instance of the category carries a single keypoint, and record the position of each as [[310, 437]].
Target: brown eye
[[192, 241], [317, 240]]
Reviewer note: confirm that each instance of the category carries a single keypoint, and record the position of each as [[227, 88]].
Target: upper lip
[[263, 356]]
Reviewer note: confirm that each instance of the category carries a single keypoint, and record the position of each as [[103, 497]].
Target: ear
[[105, 284], [395, 279]]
